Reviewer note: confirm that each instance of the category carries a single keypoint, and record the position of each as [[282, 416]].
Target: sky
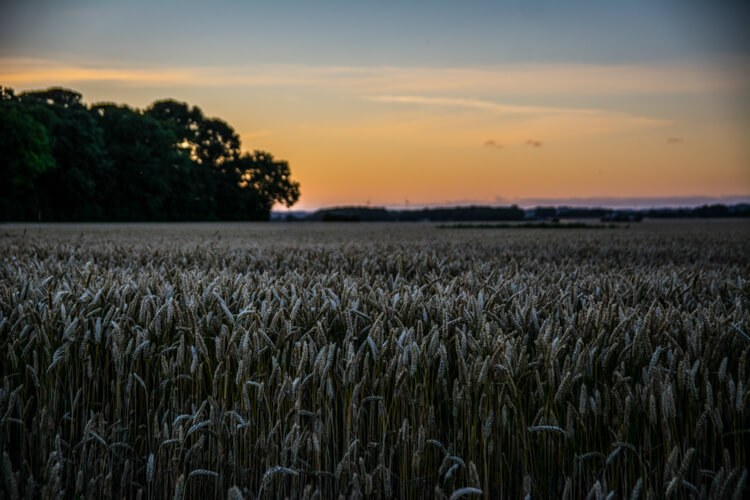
[[427, 103]]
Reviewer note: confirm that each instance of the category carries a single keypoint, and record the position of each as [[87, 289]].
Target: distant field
[[376, 360]]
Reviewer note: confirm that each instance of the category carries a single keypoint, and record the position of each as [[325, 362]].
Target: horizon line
[[630, 202]]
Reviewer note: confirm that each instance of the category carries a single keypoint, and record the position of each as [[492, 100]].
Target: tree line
[[437, 214], [61, 160], [511, 213]]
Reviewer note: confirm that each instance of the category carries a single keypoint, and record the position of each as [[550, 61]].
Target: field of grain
[[312, 360]]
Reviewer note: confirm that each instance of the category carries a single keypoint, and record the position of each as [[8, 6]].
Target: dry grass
[[172, 361]]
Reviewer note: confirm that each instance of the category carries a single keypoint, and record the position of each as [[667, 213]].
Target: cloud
[[625, 202], [675, 140], [599, 119], [493, 144], [479, 104], [515, 79], [445, 89], [534, 143]]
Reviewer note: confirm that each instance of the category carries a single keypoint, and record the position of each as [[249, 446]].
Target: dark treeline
[[717, 210], [512, 213], [63, 161], [442, 214]]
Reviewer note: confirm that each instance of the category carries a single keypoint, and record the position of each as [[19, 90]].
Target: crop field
[[374, 360]]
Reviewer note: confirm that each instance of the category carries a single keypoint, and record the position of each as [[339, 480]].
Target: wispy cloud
[[24, 71], [478, 104], [599, 119], [534, 143], [492, 144], [521, 79], [626, 202], [675, 140]]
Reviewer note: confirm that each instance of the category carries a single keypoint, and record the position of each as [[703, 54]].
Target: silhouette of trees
[[78, 185], [441, 214], [209, 141], [62, 160], [147, 170], [265, 181], [241, 186], [24, 155]]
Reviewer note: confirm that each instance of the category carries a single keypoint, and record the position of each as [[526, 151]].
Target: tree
[[209, 141], [81, 180], [64, 161], [245, 186], [147, 171], [24, 156], [265, 181]]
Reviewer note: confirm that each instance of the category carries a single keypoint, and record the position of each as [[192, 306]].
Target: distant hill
[[512, 213], [446, 214]]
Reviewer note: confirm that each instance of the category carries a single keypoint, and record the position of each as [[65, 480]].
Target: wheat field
[[374, 360]]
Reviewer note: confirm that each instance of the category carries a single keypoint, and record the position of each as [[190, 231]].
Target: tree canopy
[[63, 161]]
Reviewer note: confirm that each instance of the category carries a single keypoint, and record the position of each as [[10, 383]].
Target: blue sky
[[378, 33]]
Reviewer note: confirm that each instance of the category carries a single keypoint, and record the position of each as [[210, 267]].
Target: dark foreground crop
[[377, 361]]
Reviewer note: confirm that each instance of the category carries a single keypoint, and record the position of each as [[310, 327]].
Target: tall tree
[[264, 181], [24, 156], [244, 186], [78, 186], [210, 141], [147, 170]]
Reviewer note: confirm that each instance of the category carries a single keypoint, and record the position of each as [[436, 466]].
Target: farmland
[[374, 360]]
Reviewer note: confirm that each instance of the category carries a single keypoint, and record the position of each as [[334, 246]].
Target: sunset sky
[[430, 102]]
